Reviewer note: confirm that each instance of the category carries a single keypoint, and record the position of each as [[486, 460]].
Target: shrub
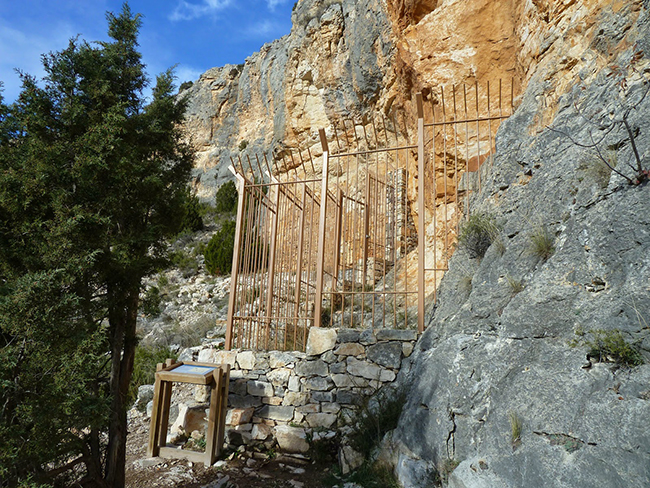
[[542, 242], [184, 262], [378, 415], [192, 211], [611, 346], [477, 234], [218, 254], [151, 302], [516, 425], [243, 145], [144, 367], [185, 85], [226, 198], [516, 286]]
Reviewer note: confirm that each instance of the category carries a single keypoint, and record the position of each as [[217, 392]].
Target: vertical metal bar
[[234, 277], [321, 231], [421, 230], [271, 278], [301, 243]]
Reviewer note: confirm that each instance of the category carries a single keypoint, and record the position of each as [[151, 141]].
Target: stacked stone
[[284, 396]]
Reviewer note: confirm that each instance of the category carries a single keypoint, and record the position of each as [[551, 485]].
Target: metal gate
[[351, 238]]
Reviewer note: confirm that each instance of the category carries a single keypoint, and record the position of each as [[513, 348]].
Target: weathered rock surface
[[498, 354]]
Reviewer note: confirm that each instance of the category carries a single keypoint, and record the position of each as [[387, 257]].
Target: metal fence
[[360, 236]]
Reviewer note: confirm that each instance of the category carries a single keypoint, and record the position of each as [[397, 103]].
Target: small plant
[[192, 213], [144, 367], [374, 475], [151, 302], [516, 425], [185, 85], [218, 254], [611, 346], [446, 467], [542, 242], [477, 234], [243, 145], [516, 286], [184, 262], [377, 415], [226, 198]]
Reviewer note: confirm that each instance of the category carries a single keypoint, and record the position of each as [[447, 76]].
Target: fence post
[[235, 256], [318, 305], [271, 279], [421, 227]]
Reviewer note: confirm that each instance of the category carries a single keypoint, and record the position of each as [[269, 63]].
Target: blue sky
[[196, 35]]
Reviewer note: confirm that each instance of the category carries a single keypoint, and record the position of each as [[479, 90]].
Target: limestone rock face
[[497, 354], [332, 65]]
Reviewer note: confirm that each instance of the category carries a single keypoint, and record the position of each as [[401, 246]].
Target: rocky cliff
[[513, 383], [497, 395]]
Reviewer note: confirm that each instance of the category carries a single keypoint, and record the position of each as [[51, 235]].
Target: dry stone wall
[[290, 397]]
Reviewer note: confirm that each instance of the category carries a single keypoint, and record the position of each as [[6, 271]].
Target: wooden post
[[318, 305], [421, 210], [235, 257]]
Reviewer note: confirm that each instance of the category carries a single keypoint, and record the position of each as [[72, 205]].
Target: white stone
[[260, 389], [291, 439], [349, 459], [320, 340], [325, 420], [246, 360], [261, 432], [279, 377], [294, 383]]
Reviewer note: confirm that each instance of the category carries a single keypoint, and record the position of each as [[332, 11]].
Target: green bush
[[218, 254], [378, 415], [185, 85], [151, 302], [243, 145], [226, 198], [542, 242], [192, 214], [611, 346], [144, 367], [477, 234]]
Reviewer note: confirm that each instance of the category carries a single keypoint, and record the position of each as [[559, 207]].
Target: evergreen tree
[[92, 181]]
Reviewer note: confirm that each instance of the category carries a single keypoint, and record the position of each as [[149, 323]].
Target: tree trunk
[[122, 319]]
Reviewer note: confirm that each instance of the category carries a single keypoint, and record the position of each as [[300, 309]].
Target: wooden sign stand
[[216, 376]]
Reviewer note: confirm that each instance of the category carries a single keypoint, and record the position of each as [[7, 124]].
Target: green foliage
[[184, 261], [151, 302], [542, 242], [243, 145], [92, 182], [516, 286], [226, 198], [378, 415], [516, 426], [611, 346], [192, 213], [185, 86], [374, 475], [477, 234], [218, 254], [144, 367]]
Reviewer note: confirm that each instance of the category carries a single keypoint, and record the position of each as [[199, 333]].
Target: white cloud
[[22, 49], [187, 73], [188, 10], [274, 3], [265, 29]]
